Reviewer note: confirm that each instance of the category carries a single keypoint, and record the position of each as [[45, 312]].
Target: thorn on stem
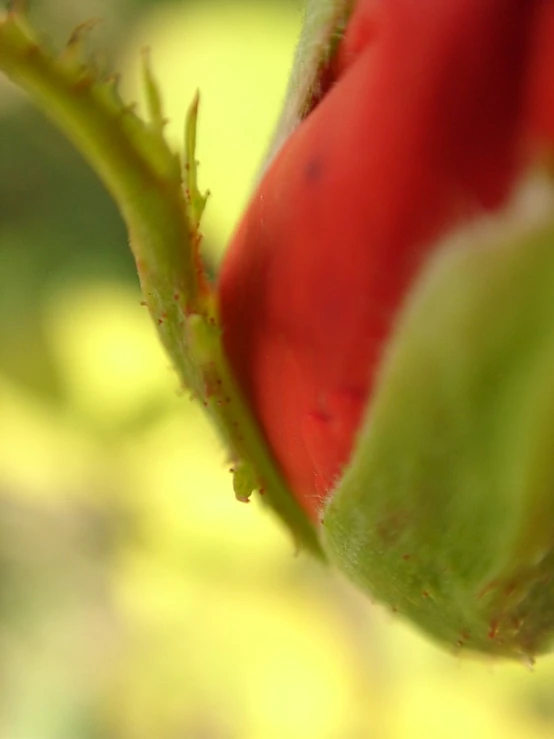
[[153, 96], [81, 31]]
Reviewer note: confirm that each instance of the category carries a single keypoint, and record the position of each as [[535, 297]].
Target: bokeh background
[[138, 599]]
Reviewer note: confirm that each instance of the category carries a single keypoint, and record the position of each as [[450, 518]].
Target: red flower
[[436, 108]]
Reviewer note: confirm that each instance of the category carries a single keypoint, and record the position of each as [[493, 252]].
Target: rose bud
[[387, 310]]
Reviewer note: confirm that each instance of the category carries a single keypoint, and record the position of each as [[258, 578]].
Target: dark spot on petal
[[314, 170]]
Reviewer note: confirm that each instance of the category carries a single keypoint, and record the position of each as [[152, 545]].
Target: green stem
[[161, 206]]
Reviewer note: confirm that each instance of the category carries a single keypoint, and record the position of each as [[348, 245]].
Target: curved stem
[[161, 205]]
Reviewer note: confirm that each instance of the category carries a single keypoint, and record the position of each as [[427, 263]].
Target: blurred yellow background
[[138, 599]]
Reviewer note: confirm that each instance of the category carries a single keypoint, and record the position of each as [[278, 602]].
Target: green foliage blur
[[138, 599]]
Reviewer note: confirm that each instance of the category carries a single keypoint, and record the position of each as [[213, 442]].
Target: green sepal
[[323, 27], [446, 512]]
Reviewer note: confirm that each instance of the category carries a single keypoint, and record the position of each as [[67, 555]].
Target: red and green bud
[[387, 310], [379, 353]]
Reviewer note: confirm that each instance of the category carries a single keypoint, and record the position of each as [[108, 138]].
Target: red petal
[[421, 128]]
